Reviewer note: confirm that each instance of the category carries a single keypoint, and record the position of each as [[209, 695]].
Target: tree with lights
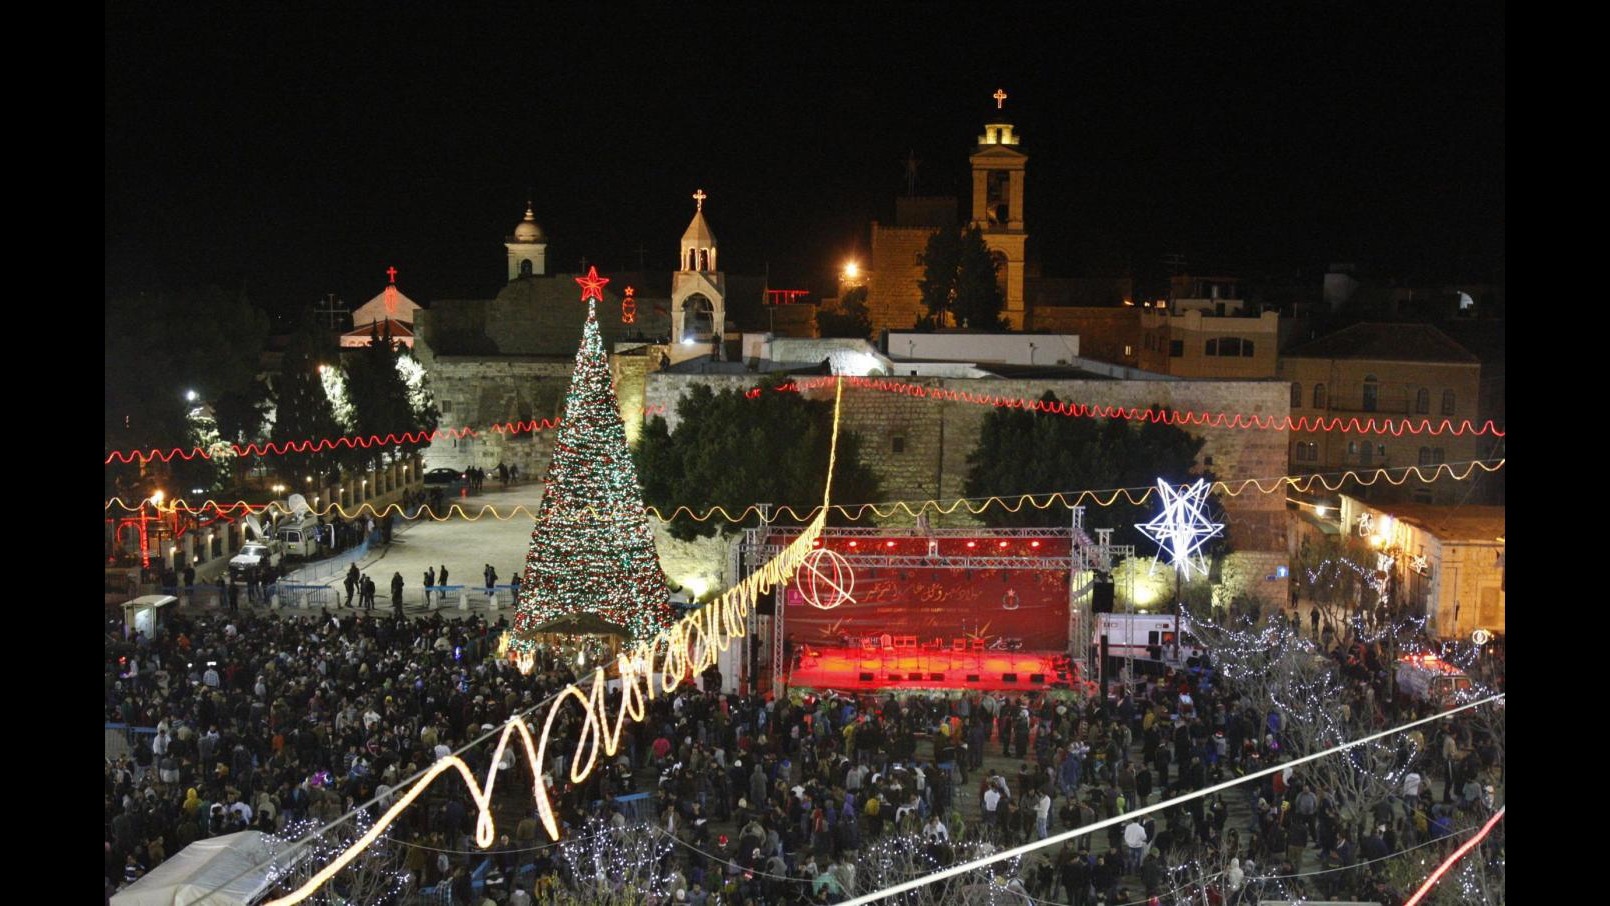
[[302, 406], [592, 550], [303, 848], [615, 866], [383, 402]]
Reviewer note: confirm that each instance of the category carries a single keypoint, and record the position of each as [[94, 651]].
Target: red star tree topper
[[592, 285]]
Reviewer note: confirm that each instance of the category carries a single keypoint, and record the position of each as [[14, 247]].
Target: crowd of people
[[263, 720]]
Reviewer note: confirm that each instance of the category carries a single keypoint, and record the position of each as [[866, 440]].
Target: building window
[[1422, 401], [1307, 451], [1425, 456], [1212, 347], [1128, 350], [1319, 396], [447, 407], [525, 267], [898, 444], [1438, 456], [1372, 393], [1447, 402], [1176, 348], [1246, 349], [1296, 395], [1352, 448]]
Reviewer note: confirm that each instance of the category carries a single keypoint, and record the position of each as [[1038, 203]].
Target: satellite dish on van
[[297, 504], [254, 526]]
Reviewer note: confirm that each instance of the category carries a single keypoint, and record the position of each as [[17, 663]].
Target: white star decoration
[[1182, 527]]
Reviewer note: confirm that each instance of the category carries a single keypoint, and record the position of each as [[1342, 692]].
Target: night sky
[[297, 151]]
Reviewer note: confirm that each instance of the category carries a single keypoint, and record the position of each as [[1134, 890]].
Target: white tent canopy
[[212, 872]]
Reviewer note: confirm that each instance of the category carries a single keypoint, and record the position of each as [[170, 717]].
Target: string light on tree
[[592, 549], [1183, 526]]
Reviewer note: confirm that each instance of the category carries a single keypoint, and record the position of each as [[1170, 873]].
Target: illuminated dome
[[528, 231]]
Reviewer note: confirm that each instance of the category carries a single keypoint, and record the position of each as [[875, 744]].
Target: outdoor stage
[[860, 669]]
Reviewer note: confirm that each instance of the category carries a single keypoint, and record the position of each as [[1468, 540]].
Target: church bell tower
[[698, 293], [528, 248], [998, 168]]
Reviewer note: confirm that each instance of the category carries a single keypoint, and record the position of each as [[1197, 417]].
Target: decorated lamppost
[[1180, 530]]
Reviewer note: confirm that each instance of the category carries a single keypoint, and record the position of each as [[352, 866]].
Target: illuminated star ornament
[[1183, 526], [592, 285]]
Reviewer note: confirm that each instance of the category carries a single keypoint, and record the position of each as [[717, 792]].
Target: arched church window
[[525, 267]]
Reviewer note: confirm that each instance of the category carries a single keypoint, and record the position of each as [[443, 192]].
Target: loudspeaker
[[914, 676], [867, 677], [1009, 677], [1036, 677], [1101, 597], [936, 677], [972, 677]]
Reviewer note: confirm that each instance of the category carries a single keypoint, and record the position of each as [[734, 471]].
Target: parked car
[[256, 554], [448, 477]]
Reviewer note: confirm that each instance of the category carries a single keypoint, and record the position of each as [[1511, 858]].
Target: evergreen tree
[[303, 410], [849, 318], [959, 286], [733, 449], [1021, 451], [382, 404], [592, 550]]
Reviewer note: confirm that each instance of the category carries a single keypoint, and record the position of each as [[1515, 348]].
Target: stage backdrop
[[940, 603]]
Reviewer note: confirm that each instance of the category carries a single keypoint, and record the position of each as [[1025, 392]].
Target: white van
[[299, 538]]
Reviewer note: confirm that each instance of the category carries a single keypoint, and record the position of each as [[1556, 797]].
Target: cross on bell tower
[[1000, 98]]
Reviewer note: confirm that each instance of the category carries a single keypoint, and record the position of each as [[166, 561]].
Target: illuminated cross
[[699, 197], [1000, 98], [392, 273]]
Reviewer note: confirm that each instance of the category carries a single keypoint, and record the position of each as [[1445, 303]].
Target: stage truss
[[1086, 559]]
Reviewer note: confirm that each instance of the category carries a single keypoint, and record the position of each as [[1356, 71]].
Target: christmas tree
[[592, 550]]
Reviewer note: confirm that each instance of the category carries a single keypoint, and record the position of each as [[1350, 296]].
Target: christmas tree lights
[[592, 550]]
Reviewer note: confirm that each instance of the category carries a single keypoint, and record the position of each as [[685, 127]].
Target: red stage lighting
[[816, 543], [972, 544], [1003, 544], [888, 544], [852, 544], [1034, 544]]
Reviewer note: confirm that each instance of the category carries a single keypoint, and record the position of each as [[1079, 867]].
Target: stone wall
[[480, 393], [918, 446], [701, 566], [893, 297]]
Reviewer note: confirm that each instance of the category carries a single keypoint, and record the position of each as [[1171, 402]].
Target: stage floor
[[847, 669]]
